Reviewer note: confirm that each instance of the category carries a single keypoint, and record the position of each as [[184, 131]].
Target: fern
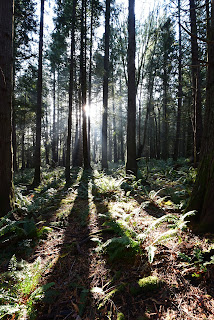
[[177, 223], [119, 248], [167, 218], [21, 282]]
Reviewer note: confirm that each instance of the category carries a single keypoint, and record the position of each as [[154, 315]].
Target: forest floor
[[108, 247]]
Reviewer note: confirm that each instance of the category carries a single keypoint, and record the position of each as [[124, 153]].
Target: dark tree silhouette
[[131, 165], [6, 65]]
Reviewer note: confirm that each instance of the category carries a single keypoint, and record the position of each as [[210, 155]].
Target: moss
[[146, 285], [120, 316]]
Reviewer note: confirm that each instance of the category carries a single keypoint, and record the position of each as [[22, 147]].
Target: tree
[[83, 83], [24, 25], [196, 84], [202, 198], [178, 127], [71, 85], [131, 165], [105, 87], [37, 164], [6, 64]]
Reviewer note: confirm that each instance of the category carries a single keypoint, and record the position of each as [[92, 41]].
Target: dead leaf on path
[[75, 306]]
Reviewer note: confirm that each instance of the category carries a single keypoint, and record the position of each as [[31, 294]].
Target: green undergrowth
[[174, 181], [20, 291], [146, 285], [20, 231], [28, 222], [170, 181], [120, 200]]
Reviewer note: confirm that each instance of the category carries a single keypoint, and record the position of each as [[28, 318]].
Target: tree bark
[[37, 163], [202, 198], [6, 66], [131, 165], [86, 160], [71, 86], [54, 155], [105, 87], [180, 93], [196, 84], [90, 75], [165, 148]]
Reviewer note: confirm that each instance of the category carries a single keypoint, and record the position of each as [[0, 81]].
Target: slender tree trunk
[[159, 135], [90, 76], [105, 86], [54, 138], [15, 166], [6, 66], [47, 145], [121, 135], [165, 147], [86, 160], [23, 139], [58, 116], [131, 165], [71, 86], [110, 143], [139, 124], [178, 128], [37, 163], [114, 126], [148, 109], [196, 84]]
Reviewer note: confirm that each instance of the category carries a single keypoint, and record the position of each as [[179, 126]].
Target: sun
[[91, 111]]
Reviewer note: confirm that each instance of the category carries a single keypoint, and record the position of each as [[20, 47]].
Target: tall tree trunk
[[202, 198], [148, 109], [110, 143], [165, 141], [90, 76], [152, 136], [131, 165], [178, 128], [54, 138], [23, 139], [114, 126], [58, 116], [86, 160], [47, 146], [37, 163], [196, 84], [71, 86], [15, 166], [6, 65], [121, 135], [105, 86]]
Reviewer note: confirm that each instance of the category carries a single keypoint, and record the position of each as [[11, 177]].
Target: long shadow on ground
[[71, 271]]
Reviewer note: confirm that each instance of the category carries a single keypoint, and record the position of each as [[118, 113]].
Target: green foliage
[[167, 181], [19, 288], [42, 198], [120, 316], [176, 224], [150, 283], [15, 230], [121, 248], [146, 285], [197, 259], [106, 186]]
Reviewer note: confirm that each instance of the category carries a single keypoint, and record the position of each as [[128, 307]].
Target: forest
[[107, 159]]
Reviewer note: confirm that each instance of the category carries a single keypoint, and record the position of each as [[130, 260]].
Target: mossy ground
[[89, 284]]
